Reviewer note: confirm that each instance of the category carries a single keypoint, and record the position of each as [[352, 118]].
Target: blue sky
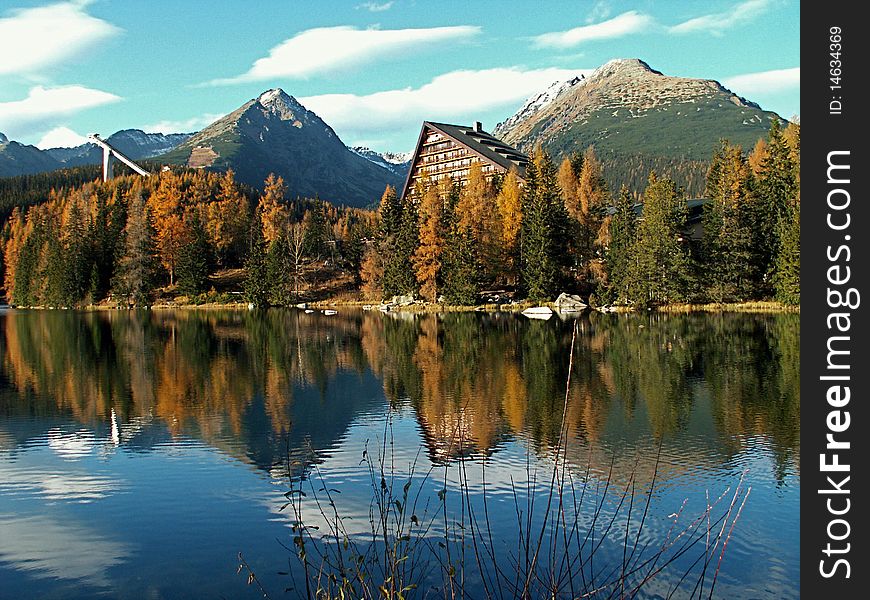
[[372, 70]]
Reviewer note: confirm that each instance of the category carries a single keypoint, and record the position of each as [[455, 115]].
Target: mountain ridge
[[275, 133], [635, 115], [22, 159], [616, 98]]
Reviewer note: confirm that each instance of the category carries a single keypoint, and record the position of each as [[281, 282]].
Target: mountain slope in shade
[[20, 159], [274, 133], [625, 108]]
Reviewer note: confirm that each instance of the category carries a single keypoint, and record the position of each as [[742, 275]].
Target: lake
[[141, 452]]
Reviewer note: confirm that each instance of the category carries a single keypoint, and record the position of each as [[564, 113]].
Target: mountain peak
[[627, 107], [3, 139], [283, 105], [278, 98], [272, 96]]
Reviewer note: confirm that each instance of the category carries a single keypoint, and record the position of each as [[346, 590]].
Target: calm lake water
[[140, 452]]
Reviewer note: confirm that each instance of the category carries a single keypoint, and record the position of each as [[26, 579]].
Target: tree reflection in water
[[250, 381]]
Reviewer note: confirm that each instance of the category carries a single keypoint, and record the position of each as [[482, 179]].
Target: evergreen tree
[[314, 224], [788, 265], [55, 274], [788, 276], [623, 228], [543, 230], [77, 257], [276, 269], [775, 192], [389, 213], [461, 268], [660, 260], [727, 221], [137, 266], [398, 243], [194, 259], [257, 284], [105, 233], [27, 272]]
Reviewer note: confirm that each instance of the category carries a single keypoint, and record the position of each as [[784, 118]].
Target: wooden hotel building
[[445, 150]]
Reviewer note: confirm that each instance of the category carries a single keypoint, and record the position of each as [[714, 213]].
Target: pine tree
[[461, 267], [77, 256], [137, 266], [389, 213], [788, 275], [277, 268], [543, 240], [661, 264], [399, 226], [27, 273], [788, 265], [257, 285], [775, 192], [623, 228], [314, 224], [727, 223], [194, 259]]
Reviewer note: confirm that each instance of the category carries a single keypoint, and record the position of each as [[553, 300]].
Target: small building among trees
[[449, 151]]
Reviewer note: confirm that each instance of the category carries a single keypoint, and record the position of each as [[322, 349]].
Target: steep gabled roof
[[480, 142]]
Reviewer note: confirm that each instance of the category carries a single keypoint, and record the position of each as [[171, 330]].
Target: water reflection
[[250, 383]]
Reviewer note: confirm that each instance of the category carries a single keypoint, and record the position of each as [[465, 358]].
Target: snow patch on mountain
[[538, 102], [397, 162]]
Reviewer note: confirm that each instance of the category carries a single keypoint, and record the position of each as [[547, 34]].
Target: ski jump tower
[[108, 153]]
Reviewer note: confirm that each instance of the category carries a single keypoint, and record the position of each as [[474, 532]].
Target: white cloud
[[325, 49], [599, 12], [43, 107], [183, 125], [765, 82], [619, 26], [718, 22], [61, 137], [34, 38], [457, 95], [376, 7]]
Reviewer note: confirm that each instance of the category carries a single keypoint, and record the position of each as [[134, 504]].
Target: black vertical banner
[[835, 361]]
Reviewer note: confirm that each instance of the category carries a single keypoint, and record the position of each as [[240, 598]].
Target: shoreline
[[430, 308]]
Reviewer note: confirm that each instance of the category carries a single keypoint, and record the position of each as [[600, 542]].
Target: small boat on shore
[[330, 312], [538, 312]]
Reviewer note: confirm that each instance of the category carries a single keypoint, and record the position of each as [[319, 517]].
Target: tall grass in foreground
[[577, 535]]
